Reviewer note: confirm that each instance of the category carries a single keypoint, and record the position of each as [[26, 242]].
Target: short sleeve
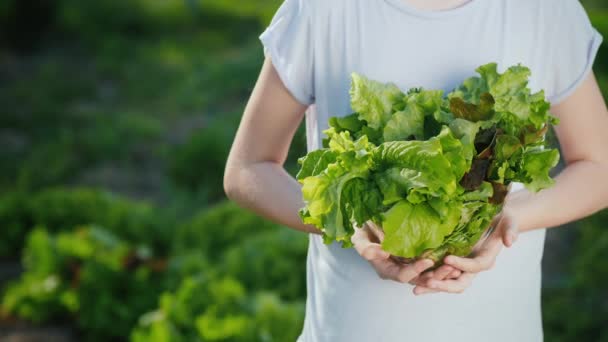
[[574, 44], [289, 44]]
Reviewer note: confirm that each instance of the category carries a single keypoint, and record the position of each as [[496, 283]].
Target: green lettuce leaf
[[433, 170], [410, 229], [347, 123], [466, 131], [535, 168], [453, 151], [399, 183], [483, 193], [373, 100], [423, 156], [315, 162], [329, 194], [474, 220], [324, 202], [409, 122]]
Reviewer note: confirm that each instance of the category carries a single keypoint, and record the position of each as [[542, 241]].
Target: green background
[[116, 121]]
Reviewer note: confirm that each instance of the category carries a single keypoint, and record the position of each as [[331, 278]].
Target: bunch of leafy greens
[[431, 170]]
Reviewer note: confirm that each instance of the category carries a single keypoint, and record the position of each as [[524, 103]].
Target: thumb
[[510, 230], [365, 247]]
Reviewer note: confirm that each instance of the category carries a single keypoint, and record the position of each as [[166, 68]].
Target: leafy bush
[[198, 165], [215, 229], [271, 261], [586, 289], [90, 275], [212, 308], [61, 209], [15, 221]]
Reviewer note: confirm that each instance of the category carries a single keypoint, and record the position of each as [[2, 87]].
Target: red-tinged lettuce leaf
[[473, 112], [473, 179], [499, 193]]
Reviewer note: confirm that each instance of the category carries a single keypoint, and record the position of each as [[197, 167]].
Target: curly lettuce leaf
[[347, 123], [466, 131], [513, 104], [372, 100], [535, 168], [433, 170], [453, 150], [324, 202], [483, 193], [410, 229], [475, 218], [423, 156], [334, 197], [315, 162], [399, 183], [409, 122]]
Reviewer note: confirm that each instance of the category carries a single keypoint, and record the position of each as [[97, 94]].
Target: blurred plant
[[198, 165], [91, 275], [217, 228], [213, 308], [270, 261], [63, 209], [585, 291]]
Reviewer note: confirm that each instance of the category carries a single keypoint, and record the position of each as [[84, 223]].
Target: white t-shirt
[[316, 44]]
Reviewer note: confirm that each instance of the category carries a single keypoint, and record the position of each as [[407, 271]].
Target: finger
[[377, 231], [455, 274], [409, 272], [484, 260], [422, 278], [374, 252], [366, 248], [510, 231], [452, 285], [420, 290], [442, 272]]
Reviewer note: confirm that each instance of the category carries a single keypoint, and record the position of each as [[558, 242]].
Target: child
[[313, 46]]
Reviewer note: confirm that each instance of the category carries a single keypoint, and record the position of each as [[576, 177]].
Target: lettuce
[[431, 169]]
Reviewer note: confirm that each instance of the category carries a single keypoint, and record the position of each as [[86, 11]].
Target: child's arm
[[254, 176]]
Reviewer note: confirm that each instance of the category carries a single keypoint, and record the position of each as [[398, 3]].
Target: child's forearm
[[267, 189], [579, 191]]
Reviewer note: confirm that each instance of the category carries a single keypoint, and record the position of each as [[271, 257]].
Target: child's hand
[[367, 243], [482, 259]]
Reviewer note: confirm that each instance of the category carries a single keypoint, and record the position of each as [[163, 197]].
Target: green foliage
[[432, 157], [63, 209], [89, 274], [270, 261], [215, 229], [198, 165], [100, 98], [212, 308], [585, 291]]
